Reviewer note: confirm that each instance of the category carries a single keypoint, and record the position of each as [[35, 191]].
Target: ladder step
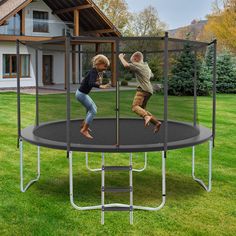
[[114, 168], [117, 208], [117, 190]]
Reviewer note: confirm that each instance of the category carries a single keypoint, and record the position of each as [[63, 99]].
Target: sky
[[175, 13]]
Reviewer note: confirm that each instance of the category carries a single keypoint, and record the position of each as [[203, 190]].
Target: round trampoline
[[134, 137], [58, 119]]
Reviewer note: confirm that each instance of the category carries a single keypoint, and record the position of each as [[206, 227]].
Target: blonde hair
[[137, 54], [100, 59]]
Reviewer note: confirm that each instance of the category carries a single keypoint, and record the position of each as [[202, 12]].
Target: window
[[11, 26], [10, 66], [40, 21]]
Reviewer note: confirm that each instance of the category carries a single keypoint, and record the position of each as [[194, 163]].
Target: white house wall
[[58, 66], [56, 25], [56, 28], [10, 48]]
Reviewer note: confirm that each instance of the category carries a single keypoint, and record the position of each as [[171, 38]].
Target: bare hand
[[121, 55], [105, 86]]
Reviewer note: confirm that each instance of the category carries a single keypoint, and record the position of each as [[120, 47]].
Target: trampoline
[[116, 134], [134, 137]]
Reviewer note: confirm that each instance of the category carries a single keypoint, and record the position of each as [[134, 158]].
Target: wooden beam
[[76, 33], [76, 23], [92, 41], [101, 31], [113, 64], [23, 38], [70, 9], [14, 11], [23, 22]]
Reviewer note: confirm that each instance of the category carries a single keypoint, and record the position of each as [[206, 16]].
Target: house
[[37, 20]]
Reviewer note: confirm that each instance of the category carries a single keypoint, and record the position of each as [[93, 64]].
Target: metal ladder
[[104, 189]]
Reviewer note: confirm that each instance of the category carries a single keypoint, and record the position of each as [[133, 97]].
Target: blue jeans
[[89, 104]]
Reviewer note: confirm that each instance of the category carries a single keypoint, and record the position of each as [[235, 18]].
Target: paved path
[[59, 88]]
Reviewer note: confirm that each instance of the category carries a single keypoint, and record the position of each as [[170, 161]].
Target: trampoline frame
[[67, 40], [100, 169], [137, 207]]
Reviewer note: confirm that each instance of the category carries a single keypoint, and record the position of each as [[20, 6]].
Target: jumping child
[[144, 89], [92, 79]]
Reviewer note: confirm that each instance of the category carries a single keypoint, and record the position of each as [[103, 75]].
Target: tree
[[222, 24], [117, 12], [181, 81], [226, 74], [204, 82], [147, 23], [209, 58]]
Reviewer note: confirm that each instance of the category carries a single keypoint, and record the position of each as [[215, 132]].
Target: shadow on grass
[[147, 187]]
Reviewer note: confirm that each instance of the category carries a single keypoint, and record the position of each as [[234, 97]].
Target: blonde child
[[92, 79], [144, 89]]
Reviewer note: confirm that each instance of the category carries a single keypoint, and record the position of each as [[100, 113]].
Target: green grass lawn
[[45, 208]]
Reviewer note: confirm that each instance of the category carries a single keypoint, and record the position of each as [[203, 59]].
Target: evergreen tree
[[204, 82], [226, 74], [209, 58], [181, 82]]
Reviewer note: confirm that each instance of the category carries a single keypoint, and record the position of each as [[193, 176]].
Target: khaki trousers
[[139, 105]]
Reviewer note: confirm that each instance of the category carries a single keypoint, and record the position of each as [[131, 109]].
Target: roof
[[93, 22], [10, 7]]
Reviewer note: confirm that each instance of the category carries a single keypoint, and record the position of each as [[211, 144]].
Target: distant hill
[[195, 30]]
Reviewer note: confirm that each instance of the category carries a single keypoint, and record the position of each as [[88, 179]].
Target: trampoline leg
[[208, 189], [145, 164], [71, 188], [117, 205], [22, 188], [102, 192], [87, 165], [163, 189], [131, 215]]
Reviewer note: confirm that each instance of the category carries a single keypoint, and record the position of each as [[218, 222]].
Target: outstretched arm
[[123, 61], [104, 86]]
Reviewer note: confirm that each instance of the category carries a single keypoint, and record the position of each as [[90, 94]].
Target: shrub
[[156, 68], [105, 80], [128, 76], [124, 83]]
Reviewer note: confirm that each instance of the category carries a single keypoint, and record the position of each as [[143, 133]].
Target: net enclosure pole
[[67, 67], [37, 86], [80, 63], [166, 68], [214, 94], [117, 94], [18, 90], [195, 90]]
